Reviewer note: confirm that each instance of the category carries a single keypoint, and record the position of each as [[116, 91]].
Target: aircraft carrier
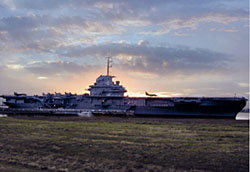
[[106, 97]]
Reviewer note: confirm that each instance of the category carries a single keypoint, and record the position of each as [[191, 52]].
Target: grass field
[[123, 144]]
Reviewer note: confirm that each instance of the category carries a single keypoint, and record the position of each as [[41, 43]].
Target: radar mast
[[109, 64]]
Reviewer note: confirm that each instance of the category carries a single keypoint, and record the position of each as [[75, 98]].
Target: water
[[242, 116], [85, 114]]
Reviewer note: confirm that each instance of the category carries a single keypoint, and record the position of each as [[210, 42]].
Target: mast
[[109, 65]]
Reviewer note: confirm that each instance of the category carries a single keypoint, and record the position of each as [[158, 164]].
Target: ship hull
[[174, 107], [199, 107], [173, 112], [163, 107], [23, 105]]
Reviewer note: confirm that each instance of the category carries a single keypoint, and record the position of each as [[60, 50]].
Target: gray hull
[[24, 105], [172, 112], [185, 107]]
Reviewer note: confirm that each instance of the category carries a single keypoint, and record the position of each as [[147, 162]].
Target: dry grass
[[123, 144]]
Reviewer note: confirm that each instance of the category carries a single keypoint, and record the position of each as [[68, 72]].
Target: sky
[[167, 47]]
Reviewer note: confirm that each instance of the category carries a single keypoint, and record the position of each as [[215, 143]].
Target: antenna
[[109, 64]]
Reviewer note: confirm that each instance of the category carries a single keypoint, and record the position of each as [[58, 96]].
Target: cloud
[[48, 76], [224, 29], [50, 24], [39, 4], [44, 33], [194, 22], [181, 34], [154, 59], [42, 77], [54, 68], [143, 43], [156, 31], [17, 80], [15, 66], [138, 13], [241, 84]]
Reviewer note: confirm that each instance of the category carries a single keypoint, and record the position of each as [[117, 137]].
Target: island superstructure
[[107, 97]]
